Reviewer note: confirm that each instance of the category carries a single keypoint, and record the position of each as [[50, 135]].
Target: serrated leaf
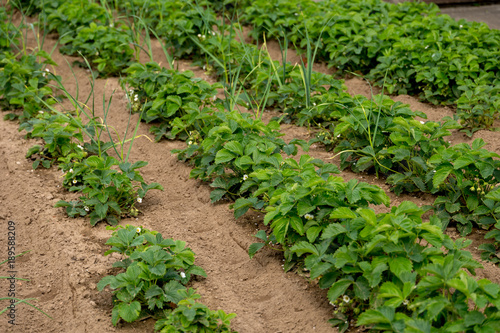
[[216, 195], [337, 289], [254, 248], [304, 247], [224, 156], [129, 312], [440, 175], [235, 147], [343, 213], [399, 265], [333, 230], [105, 281]]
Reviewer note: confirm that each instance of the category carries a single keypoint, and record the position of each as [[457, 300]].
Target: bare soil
[[66, 259]]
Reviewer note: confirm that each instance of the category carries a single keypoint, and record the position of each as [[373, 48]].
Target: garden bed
[[66, 259]]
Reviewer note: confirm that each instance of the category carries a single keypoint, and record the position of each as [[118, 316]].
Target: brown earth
[[66, 259]]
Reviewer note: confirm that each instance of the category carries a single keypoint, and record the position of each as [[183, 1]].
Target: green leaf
[[343, 213], [105, 281], [338, 288], [474, 318], [235, 147], [462, 162], [196, 270], [440, 175], [361, 288], [33, 150], [297, 225], [304, 247], [216, 195], [333, 230], [224, 156], [371, 317], [304, 208], [101, 210], [129, 312], [254, 248], [312, 233], [391, 291], [399, 265]]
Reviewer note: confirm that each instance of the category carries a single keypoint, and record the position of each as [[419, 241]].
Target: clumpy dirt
[[66, 259]]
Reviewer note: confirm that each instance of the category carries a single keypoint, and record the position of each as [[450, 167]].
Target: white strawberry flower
[[40, 112], [245, 177], [309, 216], [422, 122], [346, 299], [79, 146], [70, 171], [75, 181], [183, 275], [86, 208], [139, 200], [138, 230]]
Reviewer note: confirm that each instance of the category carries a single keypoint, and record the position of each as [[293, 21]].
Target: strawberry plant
[[387, 277], [478, 106], [167, 97], [302, 207], [9, 34], [237, 145], [491, 250], [24, 84], [62, 138], [365, 130], [411, 144], [464, 175], [155, 270], [175, 21], [105, 47], [70, 16], [191, 316], [108, 193], [272, 18]]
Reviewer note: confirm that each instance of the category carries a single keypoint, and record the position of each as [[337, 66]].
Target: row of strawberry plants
[[157, 270], [110, 187], [409, 48], [393, 282], [89, 30], [153, 284]]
